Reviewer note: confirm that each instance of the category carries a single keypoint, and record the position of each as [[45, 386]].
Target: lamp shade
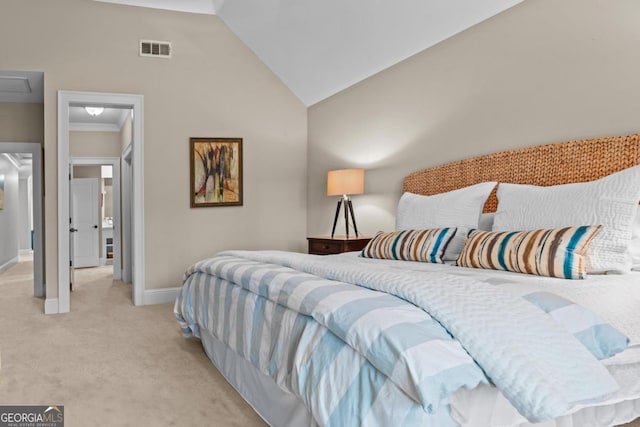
[[345, 181]]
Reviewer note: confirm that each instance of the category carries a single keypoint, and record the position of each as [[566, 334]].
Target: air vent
[[14, 84], [155, 48]]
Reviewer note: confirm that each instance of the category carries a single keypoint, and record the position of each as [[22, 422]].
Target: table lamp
[[345, 182]]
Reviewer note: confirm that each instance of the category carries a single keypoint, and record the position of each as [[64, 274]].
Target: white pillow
[[611, 201], [458, 208], [634, 245], [486, 221]]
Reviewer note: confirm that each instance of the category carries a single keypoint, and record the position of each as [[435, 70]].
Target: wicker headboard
[[550, 164]]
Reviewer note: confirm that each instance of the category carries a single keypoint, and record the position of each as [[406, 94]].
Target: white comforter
[[534, 374], [526, 359], [615, 297]]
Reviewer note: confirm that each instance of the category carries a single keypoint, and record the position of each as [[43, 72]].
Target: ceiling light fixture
[[94, 111]]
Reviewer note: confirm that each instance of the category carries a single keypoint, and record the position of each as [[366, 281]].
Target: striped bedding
[[369, 346]]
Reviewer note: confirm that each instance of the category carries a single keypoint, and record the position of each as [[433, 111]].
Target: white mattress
[[614, 298]]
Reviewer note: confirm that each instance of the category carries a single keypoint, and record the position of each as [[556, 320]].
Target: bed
[[363, 340]]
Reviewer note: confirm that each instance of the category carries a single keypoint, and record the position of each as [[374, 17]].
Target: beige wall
[[87, 171], [544, 71], [213, 86], [94, 144], [20, 122]]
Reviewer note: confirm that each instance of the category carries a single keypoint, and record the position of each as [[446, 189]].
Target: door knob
[[73, 230]]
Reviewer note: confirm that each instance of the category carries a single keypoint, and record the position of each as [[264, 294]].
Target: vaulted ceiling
[[320, 47]]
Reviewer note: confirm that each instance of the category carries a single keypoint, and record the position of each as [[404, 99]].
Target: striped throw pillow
[[553, 253], [410, 245]]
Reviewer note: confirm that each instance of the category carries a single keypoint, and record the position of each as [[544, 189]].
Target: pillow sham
[[599, 337], [634, 244], [410, 245], [458, 208], [486, 221], [611, 201], [552, 253]]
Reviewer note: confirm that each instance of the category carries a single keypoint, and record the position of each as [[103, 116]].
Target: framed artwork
[[1, 192], [216, 171]]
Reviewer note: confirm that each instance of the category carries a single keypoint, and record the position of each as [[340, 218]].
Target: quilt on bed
[[365, 345]]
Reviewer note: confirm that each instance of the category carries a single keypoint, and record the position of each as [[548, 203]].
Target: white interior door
[[84, 222], [72, 273]]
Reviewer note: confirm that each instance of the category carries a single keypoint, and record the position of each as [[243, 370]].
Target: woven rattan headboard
[[550, 164]]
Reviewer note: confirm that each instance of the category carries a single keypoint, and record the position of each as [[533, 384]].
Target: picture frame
[[215, 166]]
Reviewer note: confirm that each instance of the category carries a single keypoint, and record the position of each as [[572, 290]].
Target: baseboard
[[25, 251], [51, 306], [160, 296], [8, 264]]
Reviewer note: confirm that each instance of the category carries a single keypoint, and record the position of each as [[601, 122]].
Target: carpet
[[109, 363]]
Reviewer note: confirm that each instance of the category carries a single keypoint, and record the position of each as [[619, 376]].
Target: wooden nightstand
[[325, 245]]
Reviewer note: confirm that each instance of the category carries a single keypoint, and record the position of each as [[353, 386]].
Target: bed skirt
[[281, 408], [274, 405]]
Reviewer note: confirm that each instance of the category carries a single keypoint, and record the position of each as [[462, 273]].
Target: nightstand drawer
[[324, 247], [337, 245]]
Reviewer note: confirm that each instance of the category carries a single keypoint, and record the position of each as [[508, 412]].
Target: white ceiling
[[320, 47], [111, 119], [317, 48], [22, 161], [193, 6]]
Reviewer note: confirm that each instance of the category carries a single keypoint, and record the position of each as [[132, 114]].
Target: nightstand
[[325, 245]]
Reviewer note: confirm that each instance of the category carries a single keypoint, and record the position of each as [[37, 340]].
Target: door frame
[[68, 99], [36, 150], [126, 215], [114, 162]]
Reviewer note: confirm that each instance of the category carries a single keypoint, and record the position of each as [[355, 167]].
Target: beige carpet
[[109, 363]]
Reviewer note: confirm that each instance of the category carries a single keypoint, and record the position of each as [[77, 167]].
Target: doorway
[[98, 181], [66, 101], [109, 203], [15, 151]]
